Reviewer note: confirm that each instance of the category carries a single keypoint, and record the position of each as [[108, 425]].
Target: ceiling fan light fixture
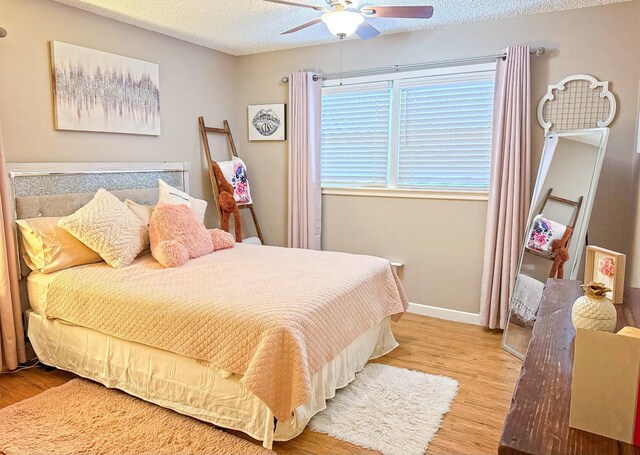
[[342, 23]]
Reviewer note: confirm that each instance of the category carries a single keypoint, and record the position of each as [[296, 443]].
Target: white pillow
[[141, 211], [171, 195], [109, 228]]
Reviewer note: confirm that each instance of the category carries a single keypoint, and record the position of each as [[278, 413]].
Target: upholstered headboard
[[59, 189]]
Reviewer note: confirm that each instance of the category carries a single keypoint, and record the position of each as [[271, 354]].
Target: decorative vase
[[594, 311]]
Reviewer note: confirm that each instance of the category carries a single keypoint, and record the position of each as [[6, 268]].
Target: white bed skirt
[[195, 388]]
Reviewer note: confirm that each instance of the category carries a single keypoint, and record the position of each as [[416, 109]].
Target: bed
[[253, 338]]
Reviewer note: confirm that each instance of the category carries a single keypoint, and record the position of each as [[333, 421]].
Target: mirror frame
[[588, 201]]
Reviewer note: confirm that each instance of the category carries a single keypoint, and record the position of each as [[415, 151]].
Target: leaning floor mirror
[[560, 210]]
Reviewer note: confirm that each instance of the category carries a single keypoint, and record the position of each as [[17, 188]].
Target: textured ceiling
[[242, 27]]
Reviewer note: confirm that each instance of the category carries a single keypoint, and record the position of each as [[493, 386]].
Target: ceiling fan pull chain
[[341, 60]]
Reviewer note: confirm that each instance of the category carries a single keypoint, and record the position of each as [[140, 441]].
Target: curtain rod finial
[[539, 52], [3, 32]]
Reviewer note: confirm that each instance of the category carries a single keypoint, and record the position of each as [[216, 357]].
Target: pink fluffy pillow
[[177, 235]]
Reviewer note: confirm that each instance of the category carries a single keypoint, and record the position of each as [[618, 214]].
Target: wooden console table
[[538, 421]]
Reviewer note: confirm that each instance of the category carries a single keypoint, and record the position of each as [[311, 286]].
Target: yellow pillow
[[47, 248]]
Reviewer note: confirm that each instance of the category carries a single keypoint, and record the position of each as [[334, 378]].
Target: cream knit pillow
[[109, 228]]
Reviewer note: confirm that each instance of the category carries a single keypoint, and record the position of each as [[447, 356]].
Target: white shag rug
[[392, 410]]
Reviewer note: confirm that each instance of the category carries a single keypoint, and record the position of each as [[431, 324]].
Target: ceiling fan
[[344, 19]]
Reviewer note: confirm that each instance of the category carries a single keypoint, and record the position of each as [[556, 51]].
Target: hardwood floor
[[467, 353]]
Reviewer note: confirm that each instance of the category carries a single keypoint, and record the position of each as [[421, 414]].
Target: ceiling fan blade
[[409, 12], [301, 5], [367, 31], [300, 27]]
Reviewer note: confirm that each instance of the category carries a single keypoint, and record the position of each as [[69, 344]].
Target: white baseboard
[[444, 313]]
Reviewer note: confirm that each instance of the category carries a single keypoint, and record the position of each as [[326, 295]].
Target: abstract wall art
[[99, 91], [267, 122]]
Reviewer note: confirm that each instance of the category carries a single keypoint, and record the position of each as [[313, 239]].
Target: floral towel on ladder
[[235, 171], [543, 232]]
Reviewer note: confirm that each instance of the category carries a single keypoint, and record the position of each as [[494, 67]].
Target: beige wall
[[633, 259], [441, 242], [193, 81]]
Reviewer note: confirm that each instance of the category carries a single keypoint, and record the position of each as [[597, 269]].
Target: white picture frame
[[102, 92], [611, 274], [267, 122]]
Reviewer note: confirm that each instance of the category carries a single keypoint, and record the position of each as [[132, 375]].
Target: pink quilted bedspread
[[275, 316]]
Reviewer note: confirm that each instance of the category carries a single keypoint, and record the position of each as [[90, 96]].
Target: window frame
[[398, 80]]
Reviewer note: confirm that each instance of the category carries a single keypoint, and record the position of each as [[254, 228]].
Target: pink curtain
[[304, 220], [509, 191], [12, 349]]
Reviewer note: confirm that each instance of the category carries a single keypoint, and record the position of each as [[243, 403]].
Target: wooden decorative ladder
[[226, 131]]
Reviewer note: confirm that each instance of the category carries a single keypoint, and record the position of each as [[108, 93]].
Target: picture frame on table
[[608, 267]]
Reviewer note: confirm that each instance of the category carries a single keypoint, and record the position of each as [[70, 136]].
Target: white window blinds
[[444, 132], [426, 129], [355, 135]]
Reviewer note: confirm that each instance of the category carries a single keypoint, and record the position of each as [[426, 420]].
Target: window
[[355, 135], [421, 130]]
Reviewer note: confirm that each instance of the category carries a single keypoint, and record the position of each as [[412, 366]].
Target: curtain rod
[[537, 52]]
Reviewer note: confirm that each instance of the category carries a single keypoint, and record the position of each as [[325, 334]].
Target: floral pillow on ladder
[[235, 171], [543, 232]]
